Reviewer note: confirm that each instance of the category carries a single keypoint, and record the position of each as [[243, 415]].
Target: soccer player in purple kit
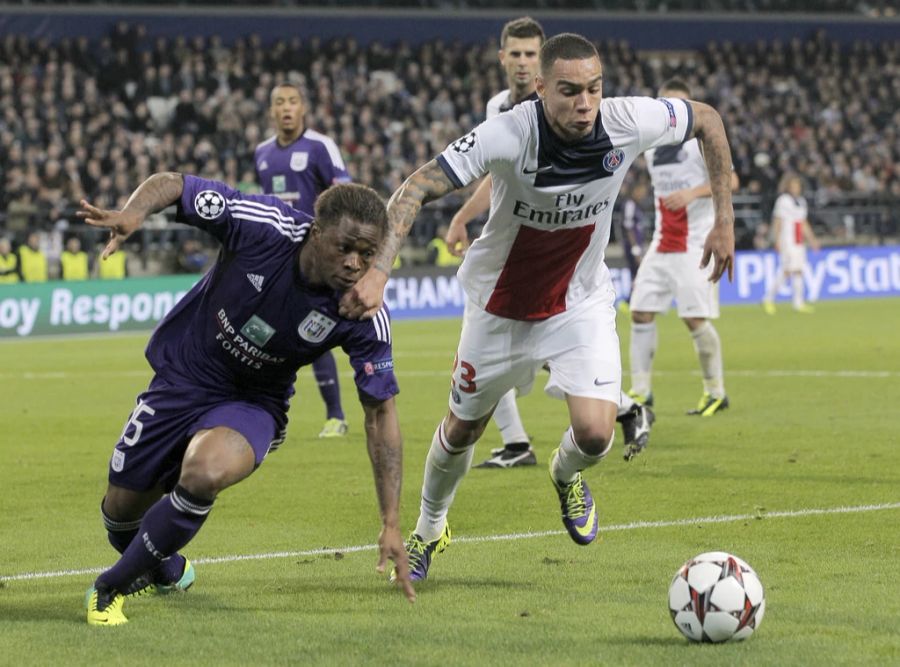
[[297, 165], [225, 362]]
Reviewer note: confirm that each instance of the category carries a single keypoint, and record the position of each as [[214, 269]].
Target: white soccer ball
[[716, 597]]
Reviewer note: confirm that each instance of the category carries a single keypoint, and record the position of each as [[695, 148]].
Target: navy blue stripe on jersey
[[669, 155], [690, 120], [442, 161], [506, 106], [580, 162]]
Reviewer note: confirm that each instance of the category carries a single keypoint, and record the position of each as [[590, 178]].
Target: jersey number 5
[[135, 420]]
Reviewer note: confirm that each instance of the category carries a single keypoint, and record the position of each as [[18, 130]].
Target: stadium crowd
[[90, 119]]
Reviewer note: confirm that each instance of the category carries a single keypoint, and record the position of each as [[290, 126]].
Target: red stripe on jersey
[[798, 232], [537, 271], [674, 229]]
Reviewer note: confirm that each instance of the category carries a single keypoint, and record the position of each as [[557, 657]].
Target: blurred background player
[[671, 269], [296, 165], [520, 45], [225, 363], [439, 252], [631, 222], [791, 230]]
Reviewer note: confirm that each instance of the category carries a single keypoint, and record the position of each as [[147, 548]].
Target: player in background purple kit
[[225, 362], [297, 165]]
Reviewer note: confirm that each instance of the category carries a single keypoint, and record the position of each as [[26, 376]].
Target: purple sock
[[325, 370], [121, 533], [166, 527]]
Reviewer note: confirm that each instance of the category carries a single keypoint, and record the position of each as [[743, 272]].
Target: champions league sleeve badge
[[209, 204], [315, 327], [464, 144]]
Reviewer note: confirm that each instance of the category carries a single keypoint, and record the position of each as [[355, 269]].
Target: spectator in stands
[[114, 267], [32, 260], [438, 252], [192, 257], [73, 261], [9, 263]]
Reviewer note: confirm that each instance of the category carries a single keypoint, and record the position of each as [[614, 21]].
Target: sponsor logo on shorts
[[455, 396], [600, 383]]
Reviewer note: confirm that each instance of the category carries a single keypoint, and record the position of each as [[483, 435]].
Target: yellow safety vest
[[34, 265], [74, 265], [113, 267], [444, 256], [8, 264]]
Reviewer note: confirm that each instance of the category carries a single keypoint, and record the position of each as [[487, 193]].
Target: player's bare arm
[[457, 235], [156, 193], [427, 184], [385, 446], [708, 128]]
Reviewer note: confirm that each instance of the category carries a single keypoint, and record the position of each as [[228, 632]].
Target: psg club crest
[[209, 204], [299, 160], [464, 144], [315, 327], [614, 159]]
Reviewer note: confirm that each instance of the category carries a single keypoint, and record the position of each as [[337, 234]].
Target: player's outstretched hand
[[678, 199], [390, 546], [719, 245], [364, 299], [457, 239], [120, 224]]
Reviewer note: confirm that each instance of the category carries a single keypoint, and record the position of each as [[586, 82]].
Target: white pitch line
[[635, 525], [799, 373]]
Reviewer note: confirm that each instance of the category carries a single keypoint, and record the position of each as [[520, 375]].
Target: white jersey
[[502, 101], [674, 168], [542, 249], [792, 213]]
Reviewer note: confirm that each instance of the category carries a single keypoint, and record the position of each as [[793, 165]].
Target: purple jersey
[[299, 172], [244, 330]]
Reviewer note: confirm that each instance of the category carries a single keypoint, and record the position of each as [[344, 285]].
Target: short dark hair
[[676, 84], [522, 28], [351, 200], [284, 84], [566, 46]]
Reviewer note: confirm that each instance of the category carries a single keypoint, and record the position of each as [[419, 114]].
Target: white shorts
[[663, 276], [793, 259], [496, 354]]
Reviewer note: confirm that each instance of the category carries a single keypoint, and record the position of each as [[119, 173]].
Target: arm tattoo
[[711, 132], [385, 447], [425, 185], [156, 193]]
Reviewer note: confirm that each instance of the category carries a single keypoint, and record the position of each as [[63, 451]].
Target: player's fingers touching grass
[[391, 547]]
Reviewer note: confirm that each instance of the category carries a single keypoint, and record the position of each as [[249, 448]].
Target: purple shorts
[[166, 417]]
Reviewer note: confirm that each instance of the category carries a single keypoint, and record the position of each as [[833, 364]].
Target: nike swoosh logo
[[597, 382], [588, 526], [539, 170]]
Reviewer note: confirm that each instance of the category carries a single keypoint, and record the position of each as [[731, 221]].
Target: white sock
[[775, 286], [570, 460], [709, 352], [445, 467], [797, 284], [643, 349], [507, 418], [625, 403]]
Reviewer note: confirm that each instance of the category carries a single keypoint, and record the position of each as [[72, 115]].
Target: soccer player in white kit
[[537, 287], [671, 269], [520, 44], [791, 230]]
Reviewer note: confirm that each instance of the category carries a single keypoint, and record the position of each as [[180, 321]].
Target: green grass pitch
[[814, 425]]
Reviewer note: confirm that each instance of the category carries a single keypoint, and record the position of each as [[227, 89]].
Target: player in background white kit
[[671, 268], [520, 45], [791, 231], [538, 290]]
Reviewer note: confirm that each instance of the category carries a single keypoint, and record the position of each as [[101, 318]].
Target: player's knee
[[204, 481], [594, 439], [639, 317], [463, 432]]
